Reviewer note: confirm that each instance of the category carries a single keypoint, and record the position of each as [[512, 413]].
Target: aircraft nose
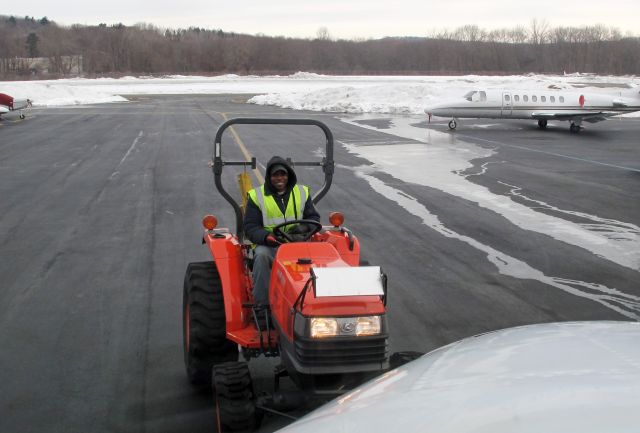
[[432, 110], [442, 109]]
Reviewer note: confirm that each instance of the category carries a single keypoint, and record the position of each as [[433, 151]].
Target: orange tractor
[[326, 316]]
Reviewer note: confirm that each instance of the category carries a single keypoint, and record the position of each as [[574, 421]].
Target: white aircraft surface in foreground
[[540, 105], [572, 377], [8, 103]]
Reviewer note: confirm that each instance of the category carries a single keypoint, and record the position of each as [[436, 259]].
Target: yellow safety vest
[[271, 213]]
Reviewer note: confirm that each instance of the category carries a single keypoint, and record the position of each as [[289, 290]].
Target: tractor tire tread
[[233, 391], [208, 344]]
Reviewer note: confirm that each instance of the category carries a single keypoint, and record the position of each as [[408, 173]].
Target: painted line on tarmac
[[133, 145], [243, 149], [575, 158]]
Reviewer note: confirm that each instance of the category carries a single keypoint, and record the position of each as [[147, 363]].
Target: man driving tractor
[[280, 199], [322, 314]]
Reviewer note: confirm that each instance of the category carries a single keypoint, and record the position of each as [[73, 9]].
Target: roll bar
[[327, 162]]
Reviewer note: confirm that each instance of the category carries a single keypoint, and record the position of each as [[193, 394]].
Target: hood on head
[[278, 160]]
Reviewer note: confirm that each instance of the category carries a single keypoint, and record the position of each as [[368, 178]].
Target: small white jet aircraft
[[8, 103], [539, 105]]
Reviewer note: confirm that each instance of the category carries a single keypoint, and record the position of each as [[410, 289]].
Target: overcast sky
[[346, 19]]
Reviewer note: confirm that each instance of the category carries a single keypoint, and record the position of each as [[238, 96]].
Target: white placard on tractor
[[348, 281]]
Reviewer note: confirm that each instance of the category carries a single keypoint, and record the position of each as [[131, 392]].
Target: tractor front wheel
[[234, 397], [204, 324]]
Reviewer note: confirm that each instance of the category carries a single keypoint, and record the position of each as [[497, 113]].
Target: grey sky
[[343, 18]]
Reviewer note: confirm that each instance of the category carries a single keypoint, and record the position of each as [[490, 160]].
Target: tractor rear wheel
[[234, 397], [204, 324]]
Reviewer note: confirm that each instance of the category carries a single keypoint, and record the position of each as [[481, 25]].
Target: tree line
[[112, 50]]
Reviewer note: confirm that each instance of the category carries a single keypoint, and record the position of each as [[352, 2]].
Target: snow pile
[[305, 90]]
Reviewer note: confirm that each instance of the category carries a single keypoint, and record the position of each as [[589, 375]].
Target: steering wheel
[[294, 235]]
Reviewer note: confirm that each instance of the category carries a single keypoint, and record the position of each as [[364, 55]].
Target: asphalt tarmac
[[100, 213]]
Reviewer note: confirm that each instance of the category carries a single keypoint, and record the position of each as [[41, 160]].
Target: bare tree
[[323, 34], [146, 49], [539, 31]]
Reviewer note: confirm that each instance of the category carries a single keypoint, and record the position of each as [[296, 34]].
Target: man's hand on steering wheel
[[301, 232]]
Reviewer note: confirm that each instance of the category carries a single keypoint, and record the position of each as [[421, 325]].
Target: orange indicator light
[[210, 222], [336, 219]]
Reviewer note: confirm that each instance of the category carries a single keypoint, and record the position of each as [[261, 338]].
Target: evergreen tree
[[32, 45]]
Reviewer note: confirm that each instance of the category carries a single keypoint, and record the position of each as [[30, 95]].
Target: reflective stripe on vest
[[271, 213]]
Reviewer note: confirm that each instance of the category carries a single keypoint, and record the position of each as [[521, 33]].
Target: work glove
[[271, 240]]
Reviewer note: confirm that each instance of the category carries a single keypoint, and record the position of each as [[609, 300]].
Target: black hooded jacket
[[253, 228]]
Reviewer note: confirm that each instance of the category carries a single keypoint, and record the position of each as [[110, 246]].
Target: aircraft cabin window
[[471, 96], [516, 98], [552, 98], [525, 98], [543, 98], [534, 98], [562, 99], [483, 95], [507, 98]]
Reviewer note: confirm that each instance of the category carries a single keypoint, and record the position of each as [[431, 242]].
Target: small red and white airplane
[[8, 103], [540, 105]]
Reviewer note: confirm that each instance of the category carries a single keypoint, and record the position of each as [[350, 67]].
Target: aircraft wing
[[587, 116], [554, 377]]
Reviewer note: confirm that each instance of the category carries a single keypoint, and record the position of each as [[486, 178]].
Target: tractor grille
[[350, 351]]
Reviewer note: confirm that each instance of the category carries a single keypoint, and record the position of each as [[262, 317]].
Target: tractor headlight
[[321, 327], [324, 327], [368, 325]]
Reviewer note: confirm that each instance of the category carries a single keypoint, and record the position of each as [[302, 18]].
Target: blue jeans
[[262, 261]]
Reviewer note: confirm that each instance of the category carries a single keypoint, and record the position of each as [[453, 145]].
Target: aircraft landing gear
[[22, 116], [452, 124], [542, 123], [574, 128]]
